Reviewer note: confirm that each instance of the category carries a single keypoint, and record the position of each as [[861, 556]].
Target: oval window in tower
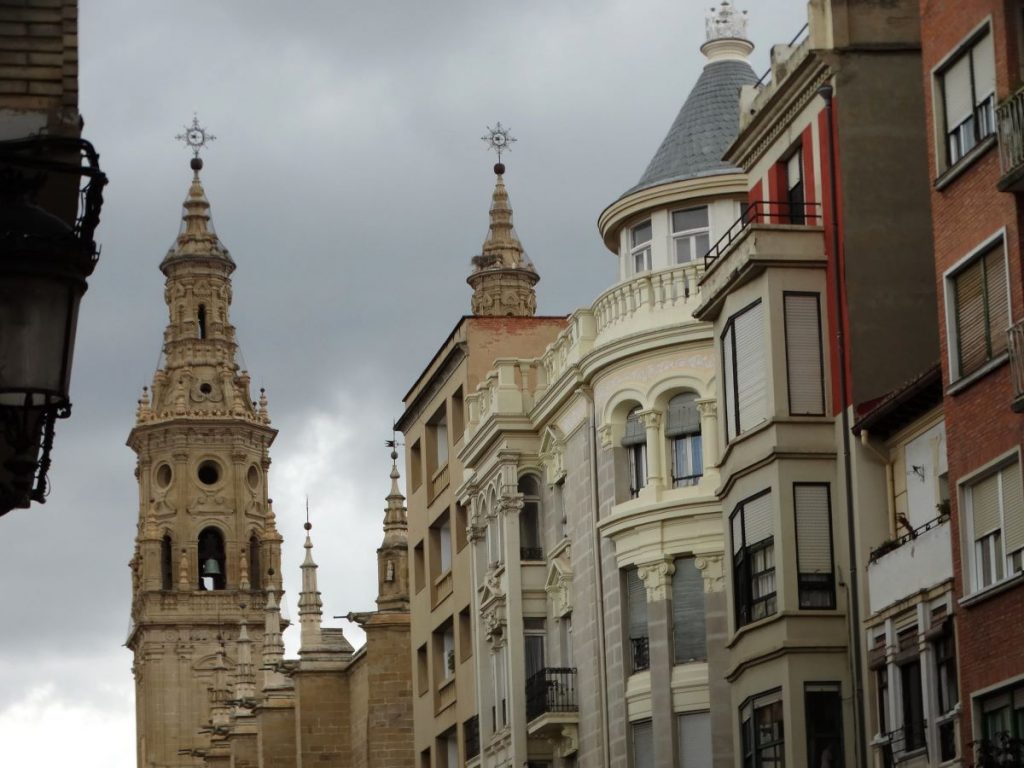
[[253, 477], [163, 476], [208, 472]]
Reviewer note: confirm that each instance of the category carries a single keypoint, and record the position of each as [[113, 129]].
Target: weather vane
[[499, 139], [195, 137]]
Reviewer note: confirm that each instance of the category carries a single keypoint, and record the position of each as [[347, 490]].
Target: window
[[558, 494], [823, 710], [418, 569], [1001, 726], [461, 523], [944, 654], [636, 611], [967, 85], [565, 640], [445, 540], [499, 676], [438, 432], [212, 564], [794, 213], [444, 644], [690, 235], [415, 466], [761, 731], [804, 370], [682, 428], [529, 519], [255, 570], [533, 641], [689, 634], [995, 512], [640, 247], [693, 735], [422, 679], [635, 443], [465, 634], [458, 415], [642, 736], [201, 321], [908, 660], [816, 577], [753, 547], [980, 312], [166, 563], [745, 386]]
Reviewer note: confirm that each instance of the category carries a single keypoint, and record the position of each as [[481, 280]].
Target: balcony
[[1010, 129], [1015, 345], [769, 233], [902, 567], [442, 587], [551, 702]]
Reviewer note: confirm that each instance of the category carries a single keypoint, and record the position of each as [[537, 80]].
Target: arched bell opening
[[212, 562]]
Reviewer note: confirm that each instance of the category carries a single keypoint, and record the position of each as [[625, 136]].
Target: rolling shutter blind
[[728, 382], [688, 626], [985, 506], [694, 732], [984, 68], [803, 355], [1013, 509], [637, 603], [643, 744], [970, 318], [757, 514], [813, 536], [683, 417], [750, 373], [996, 299], [635, 432], [956, 83]]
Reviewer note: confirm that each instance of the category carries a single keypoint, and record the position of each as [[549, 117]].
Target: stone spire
[[503, 277], [273, 645], [196, 236], [245, 676], [310, 604], [392, 556]]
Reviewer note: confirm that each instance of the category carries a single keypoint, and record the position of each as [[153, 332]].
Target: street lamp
[[44, 263]]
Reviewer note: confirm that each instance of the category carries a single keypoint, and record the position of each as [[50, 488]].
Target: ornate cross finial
[[195, 137], [499, 139]]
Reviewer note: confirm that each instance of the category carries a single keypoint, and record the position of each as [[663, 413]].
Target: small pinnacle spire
[[273, 645], [310, 604], [245, 677]]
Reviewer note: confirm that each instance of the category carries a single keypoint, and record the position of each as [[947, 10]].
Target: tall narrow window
[[636, 607], [823, 710], [640, 247], [642, 736], [762, 734], [529, 519], [689, 633], [995, 510], [682, 428], [816, 576], [255, 570], [166, 563], [944, 654], [635, 443], [753, 547], [690, 236], [745, 379], [794, 213], [212, 563], [533, 642], [967, 85], [444, 540], [201, 321], [804, 370], [693, 732], [981, 310]]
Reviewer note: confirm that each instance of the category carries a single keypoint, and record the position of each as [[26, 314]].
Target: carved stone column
[[655, 450], [657, 578], [708, 409]]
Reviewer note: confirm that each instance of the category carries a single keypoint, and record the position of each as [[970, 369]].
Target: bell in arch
[[211, 567]]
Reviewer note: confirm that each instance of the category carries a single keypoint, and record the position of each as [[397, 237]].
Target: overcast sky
[[350, 185]]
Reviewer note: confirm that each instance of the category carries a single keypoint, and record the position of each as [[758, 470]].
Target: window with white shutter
[[693, 737], [804, 369], [745, 378], [816, 576], [995, 514], [642, 736], [636, 610], [967, 85], [753, 546], [689, 633], [635, 442], [682, 428], [980, 312]]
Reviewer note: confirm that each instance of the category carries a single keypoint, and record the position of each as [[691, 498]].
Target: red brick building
[[971, 54]]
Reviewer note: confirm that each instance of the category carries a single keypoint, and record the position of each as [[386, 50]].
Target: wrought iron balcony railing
[[552, 689], [1010, 128], [777, 212], [888, 546]]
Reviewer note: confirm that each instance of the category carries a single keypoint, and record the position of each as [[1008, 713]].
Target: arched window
[[635, 443], [682, 428], [201, 318], [212, 563], [255, 571], [529, 519], [167, 563]]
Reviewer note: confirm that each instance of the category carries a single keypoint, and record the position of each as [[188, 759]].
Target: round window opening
[[209, 473], [205, 388], [163, 475], [253, 477]]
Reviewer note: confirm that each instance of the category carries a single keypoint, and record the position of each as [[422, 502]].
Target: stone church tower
[[207, 552]]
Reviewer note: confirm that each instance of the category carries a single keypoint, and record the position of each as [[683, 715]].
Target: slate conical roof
[[704, 128]]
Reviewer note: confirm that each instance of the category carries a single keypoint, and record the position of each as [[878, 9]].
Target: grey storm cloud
[[350, 185]]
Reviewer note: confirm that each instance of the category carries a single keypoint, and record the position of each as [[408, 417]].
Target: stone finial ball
[[394, 455], [196, 163], [499, 168], [307, 525]]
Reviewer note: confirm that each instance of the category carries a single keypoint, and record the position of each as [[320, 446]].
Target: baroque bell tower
[[207, 551]]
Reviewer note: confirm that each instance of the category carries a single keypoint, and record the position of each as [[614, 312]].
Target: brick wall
[[39, 55]]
